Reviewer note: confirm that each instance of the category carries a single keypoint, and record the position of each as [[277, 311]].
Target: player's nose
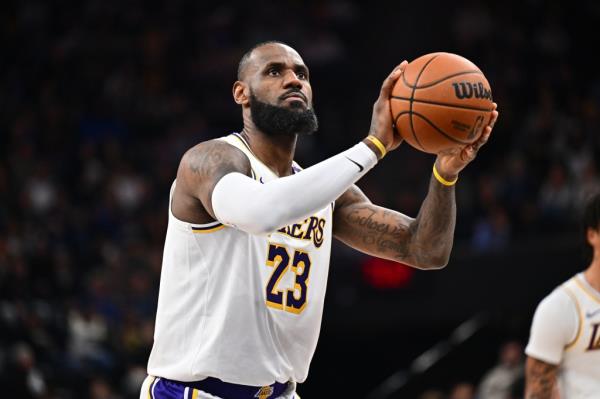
[[291, 80]]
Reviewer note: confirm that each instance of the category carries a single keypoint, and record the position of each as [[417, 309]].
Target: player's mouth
[[295, 96]]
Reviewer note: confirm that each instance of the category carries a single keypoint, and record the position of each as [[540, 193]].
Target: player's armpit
[[204, 165], [424, 242], [540, 379]]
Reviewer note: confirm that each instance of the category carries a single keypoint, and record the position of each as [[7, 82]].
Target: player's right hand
[[382, 125], [450, 162]]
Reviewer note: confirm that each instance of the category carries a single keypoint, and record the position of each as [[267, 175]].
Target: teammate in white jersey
[[247, 250], [564, 345]]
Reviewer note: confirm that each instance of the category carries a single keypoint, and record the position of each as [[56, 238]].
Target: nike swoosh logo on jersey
[[360, 167], [592, 314]]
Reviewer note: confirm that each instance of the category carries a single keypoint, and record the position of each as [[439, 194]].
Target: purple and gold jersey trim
[[209, 228], [579, 318], [241, 139], [295, 168], [593, 296]]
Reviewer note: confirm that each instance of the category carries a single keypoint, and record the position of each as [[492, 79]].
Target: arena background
[[99, 100]]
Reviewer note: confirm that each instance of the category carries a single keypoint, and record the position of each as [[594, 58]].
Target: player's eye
[[301, 75], [273, 72]]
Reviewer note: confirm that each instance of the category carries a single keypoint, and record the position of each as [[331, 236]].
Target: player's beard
[[280, 121]]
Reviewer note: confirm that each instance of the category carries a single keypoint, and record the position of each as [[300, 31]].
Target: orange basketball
[[441, 101]]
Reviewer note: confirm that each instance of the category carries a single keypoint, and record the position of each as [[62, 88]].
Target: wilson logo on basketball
[[469, 90]]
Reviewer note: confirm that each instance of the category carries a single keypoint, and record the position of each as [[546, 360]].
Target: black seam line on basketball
[[444, 104], [430, 123], [360, 167], [440, 131], [430, 84], [398, 117], [412, 95]]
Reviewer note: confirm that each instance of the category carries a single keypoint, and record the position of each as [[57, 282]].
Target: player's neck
[[277, 152], [592, 273]]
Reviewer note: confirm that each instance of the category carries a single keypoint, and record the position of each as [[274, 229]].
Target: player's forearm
[[263, 208], [424, 242], [433, 235]]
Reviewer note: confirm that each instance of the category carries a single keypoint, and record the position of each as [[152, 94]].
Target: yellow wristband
[[441, 179], [378, 144]]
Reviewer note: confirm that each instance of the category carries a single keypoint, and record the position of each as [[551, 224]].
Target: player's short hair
[[591, 220], [246, 57]]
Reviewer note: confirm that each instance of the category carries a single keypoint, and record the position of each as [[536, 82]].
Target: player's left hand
[[450, 162]]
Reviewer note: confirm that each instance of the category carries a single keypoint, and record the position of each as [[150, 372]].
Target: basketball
[[441, 101]]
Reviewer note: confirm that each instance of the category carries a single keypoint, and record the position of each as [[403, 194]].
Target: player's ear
[[592, 236], [241, 93]]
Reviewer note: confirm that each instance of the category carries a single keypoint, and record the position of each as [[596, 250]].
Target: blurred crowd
[[505, 380], [101, 98]]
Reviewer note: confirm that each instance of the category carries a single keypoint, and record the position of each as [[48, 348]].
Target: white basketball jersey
[[240, 307], [579, 372]]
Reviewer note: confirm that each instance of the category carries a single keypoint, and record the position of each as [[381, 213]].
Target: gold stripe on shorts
[[150, 387]]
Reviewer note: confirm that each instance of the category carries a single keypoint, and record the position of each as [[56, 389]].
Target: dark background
[[99, 100]]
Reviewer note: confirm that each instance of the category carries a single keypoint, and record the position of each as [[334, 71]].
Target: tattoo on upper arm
[[207, 163], [204, 161], [540, 379]]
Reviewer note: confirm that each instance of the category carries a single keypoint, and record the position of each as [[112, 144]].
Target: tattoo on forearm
[[541, 379], [436, 221], [425, 241], [383, 234]]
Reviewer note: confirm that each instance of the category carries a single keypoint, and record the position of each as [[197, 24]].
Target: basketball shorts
[[212, 388]]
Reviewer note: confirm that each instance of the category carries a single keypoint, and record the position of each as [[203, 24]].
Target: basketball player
[[564, 345], [246, 255]]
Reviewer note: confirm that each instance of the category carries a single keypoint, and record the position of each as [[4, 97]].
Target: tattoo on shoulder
[[215, 158]]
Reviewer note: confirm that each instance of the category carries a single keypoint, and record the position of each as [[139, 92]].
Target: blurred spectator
[[491, 233], [23, 379], [133, 381], [472, 24], [41, 191], [88, 336], [556, 194], [462, 390], [517, 390], [498, 382], [432, 394], [100, 389], [588, 183]]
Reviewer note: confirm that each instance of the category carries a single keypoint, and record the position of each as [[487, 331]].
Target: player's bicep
[[204, 165], [372, 229], [540, 379]]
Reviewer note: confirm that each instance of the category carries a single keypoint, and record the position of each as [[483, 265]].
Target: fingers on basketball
[[487, 131], [389, 82]]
